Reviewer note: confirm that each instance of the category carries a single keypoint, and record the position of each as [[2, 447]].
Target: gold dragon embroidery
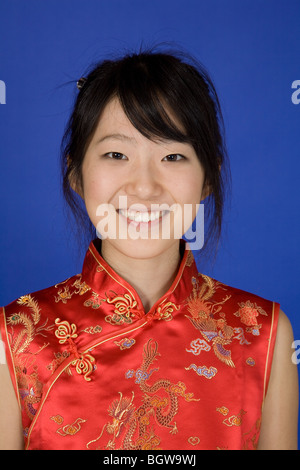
[[135, 426]]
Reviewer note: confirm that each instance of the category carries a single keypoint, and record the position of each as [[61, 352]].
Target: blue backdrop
[[251, 48]]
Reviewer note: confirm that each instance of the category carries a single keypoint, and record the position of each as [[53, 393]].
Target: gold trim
[[134, 294], [110, 275], [268, 354]]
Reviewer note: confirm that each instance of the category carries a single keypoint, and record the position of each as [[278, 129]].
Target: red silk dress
[[92, 370]]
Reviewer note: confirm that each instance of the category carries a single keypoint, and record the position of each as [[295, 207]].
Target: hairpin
[[81, 82]]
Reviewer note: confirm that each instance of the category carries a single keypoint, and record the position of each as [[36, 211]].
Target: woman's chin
[[140, 248]]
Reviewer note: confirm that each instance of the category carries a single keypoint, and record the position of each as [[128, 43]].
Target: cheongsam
[[92, 370]]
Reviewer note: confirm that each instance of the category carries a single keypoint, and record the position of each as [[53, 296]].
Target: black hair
[[151, 85]]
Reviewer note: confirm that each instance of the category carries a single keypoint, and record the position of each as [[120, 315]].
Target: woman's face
[[135, 189]]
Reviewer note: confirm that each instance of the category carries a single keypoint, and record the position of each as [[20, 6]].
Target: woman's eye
[[174, 157], [116, 155]]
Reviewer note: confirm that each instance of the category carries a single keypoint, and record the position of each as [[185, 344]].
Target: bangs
[[146, 99]]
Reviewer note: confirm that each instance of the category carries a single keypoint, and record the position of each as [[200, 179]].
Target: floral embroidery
[[84, 363], [164, 311], [80, 287], [65, 331], [203, 371], [94, 301], [125, 309], [64, 294], [248, 313]]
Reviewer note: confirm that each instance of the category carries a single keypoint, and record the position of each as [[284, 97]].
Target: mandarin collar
[[106, 283]]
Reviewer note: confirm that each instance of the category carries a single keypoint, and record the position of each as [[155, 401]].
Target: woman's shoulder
[[235, 296], [240, 311], [242, 293], [59, 292]]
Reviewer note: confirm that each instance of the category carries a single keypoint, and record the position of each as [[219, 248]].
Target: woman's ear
[[72, 179], [207, 188], [206, 191]]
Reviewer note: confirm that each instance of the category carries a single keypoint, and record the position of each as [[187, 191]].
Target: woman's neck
[[150, 277]]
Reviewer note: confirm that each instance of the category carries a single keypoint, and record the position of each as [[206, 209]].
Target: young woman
[[139, 350]]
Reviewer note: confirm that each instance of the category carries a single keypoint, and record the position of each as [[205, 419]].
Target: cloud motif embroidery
[[203, 371]]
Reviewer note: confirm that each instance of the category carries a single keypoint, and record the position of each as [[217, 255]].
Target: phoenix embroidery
[[206, 316], [203, 317]]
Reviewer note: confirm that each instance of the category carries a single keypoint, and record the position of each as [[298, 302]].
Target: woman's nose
[[144, 183]]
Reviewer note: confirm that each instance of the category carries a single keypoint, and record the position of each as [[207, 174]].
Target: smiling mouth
[[142, 216]]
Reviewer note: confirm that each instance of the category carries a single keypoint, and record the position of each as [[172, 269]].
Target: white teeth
[[141, 216]]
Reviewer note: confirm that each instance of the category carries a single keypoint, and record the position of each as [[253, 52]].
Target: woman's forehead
[[114, 124]]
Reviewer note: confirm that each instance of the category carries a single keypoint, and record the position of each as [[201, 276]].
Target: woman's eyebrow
[[122, 137], [126, 138]]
